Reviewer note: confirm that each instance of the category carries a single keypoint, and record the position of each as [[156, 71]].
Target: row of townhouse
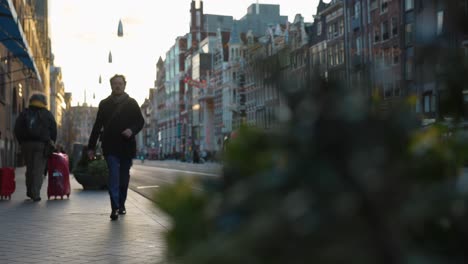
[[24, 66], [390, 48], [227, 73], [196, 84]]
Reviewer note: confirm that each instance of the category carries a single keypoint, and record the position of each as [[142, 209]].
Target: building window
[[337, 57], [396, 89], [409, 5], [396, 55], [409, 69], [357, 10], [418, 106], [383, 6], [358, 46], [427, 103], [388, 90], [385, 35], [319, 28], [376, 35], [330, 31], [440, 22], [394, 26], [198, 19], [330, 56], [409, 34], [341, 27], [387, 57], [379, 59], [341, 52]]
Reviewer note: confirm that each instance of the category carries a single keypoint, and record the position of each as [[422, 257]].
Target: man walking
[[35, 128], [117, 122]]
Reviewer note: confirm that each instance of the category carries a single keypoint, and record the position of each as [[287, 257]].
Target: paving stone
[[78, 229]]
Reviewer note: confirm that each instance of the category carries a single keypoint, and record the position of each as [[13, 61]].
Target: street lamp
[[119, 34], [120, 29]]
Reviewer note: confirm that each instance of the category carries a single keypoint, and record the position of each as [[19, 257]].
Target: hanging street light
[[120, 29], [110, 57]]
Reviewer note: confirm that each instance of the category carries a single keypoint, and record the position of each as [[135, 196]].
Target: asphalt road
[[147, 177]]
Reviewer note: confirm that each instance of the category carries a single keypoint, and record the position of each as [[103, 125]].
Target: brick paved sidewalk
[[78, 230]]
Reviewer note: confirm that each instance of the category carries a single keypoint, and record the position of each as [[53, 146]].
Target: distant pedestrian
[[117, 122], [196, 156], [36, 131]]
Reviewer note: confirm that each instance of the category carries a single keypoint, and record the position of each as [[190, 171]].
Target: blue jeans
[[119, 177]]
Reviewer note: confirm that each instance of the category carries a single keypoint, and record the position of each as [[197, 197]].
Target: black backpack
[[35, 125]]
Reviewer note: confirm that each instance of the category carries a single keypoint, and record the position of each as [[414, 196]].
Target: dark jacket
[[48, 126], [109, 127]]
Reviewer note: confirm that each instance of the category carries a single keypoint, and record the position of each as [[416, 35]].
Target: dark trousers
[[36, 162], [119, 177]]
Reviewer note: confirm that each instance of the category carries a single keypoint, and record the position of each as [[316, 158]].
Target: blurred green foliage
[[337, 189], [337, 182]]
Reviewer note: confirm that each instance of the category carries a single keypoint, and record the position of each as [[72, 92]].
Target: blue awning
[[12, 36]]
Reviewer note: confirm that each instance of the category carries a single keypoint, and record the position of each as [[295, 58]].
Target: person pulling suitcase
[[36, 131]]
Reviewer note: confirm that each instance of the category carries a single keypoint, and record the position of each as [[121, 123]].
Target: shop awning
[[12, 36]]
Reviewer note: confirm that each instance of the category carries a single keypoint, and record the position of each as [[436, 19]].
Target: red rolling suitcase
[[59, 176], [7, 182]]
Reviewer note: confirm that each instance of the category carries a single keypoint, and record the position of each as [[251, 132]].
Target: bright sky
[[83, 32]]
